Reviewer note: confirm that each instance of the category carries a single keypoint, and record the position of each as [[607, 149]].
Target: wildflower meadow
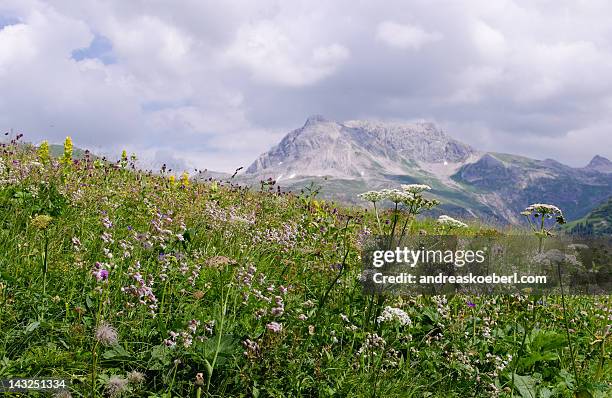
[[132, 283]]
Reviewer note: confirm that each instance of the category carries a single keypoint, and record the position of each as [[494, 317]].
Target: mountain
[[599, 163], [597, 222], [346, 158]]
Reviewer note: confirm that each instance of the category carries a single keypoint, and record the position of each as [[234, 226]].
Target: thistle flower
[[450, 222], [106, 334], [43, 152], [415, 188], [42, 221], [116, 386]]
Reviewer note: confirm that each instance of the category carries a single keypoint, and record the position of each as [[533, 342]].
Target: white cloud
[[273, 56], [405, 36], [490, 42]]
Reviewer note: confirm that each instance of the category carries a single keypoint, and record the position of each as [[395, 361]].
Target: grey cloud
[[217, 83]]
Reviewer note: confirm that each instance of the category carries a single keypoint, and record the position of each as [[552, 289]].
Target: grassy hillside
[[127, 283], [597, 222]]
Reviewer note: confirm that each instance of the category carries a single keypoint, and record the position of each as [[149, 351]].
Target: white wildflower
[[415, 188], [542, 208], [392, 314], [372, 196], [450, 222], [395, 195]]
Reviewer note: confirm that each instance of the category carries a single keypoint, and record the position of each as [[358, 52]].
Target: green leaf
[[525, 386], [209, 368], [116, 351], [32, 326]]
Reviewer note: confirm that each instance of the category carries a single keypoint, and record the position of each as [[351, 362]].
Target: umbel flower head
[[395, 195], [415, 188], [371, 196], [537, 214], [545, 211], [448, 221], [392, 314], [106, 334]]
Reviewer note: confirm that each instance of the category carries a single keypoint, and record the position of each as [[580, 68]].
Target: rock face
[[357, 149], [351, 157]]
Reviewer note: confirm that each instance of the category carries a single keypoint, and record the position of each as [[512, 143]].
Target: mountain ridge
[[346, 158]]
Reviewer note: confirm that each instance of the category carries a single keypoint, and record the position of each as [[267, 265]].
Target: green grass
[[230, 263]]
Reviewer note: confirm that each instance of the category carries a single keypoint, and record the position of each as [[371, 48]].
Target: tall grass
[[215, 290]]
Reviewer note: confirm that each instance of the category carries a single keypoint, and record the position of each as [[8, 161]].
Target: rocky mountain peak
[[601, 164], [357, 148], [315, 119]]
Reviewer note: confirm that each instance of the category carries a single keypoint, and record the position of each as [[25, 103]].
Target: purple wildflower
[[274, 327], [99, 272]]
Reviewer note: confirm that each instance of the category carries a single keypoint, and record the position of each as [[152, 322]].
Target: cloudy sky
[[212, 84]]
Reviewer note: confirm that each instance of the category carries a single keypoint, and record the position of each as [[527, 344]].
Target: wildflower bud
[[124, 159]]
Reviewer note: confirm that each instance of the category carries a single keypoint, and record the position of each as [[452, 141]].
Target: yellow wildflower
[[67, 157], [185, 179], [43, 152]]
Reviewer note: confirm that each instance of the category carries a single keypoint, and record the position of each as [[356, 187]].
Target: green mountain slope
[[597, 222]]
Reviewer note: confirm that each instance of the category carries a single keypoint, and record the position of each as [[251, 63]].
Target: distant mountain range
[[347, 158]]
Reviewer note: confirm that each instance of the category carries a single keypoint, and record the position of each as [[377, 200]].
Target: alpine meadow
[[305, 199], [132, 283]]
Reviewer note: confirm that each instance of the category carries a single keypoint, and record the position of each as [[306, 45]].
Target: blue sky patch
[[100, 48], [6, 20]]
